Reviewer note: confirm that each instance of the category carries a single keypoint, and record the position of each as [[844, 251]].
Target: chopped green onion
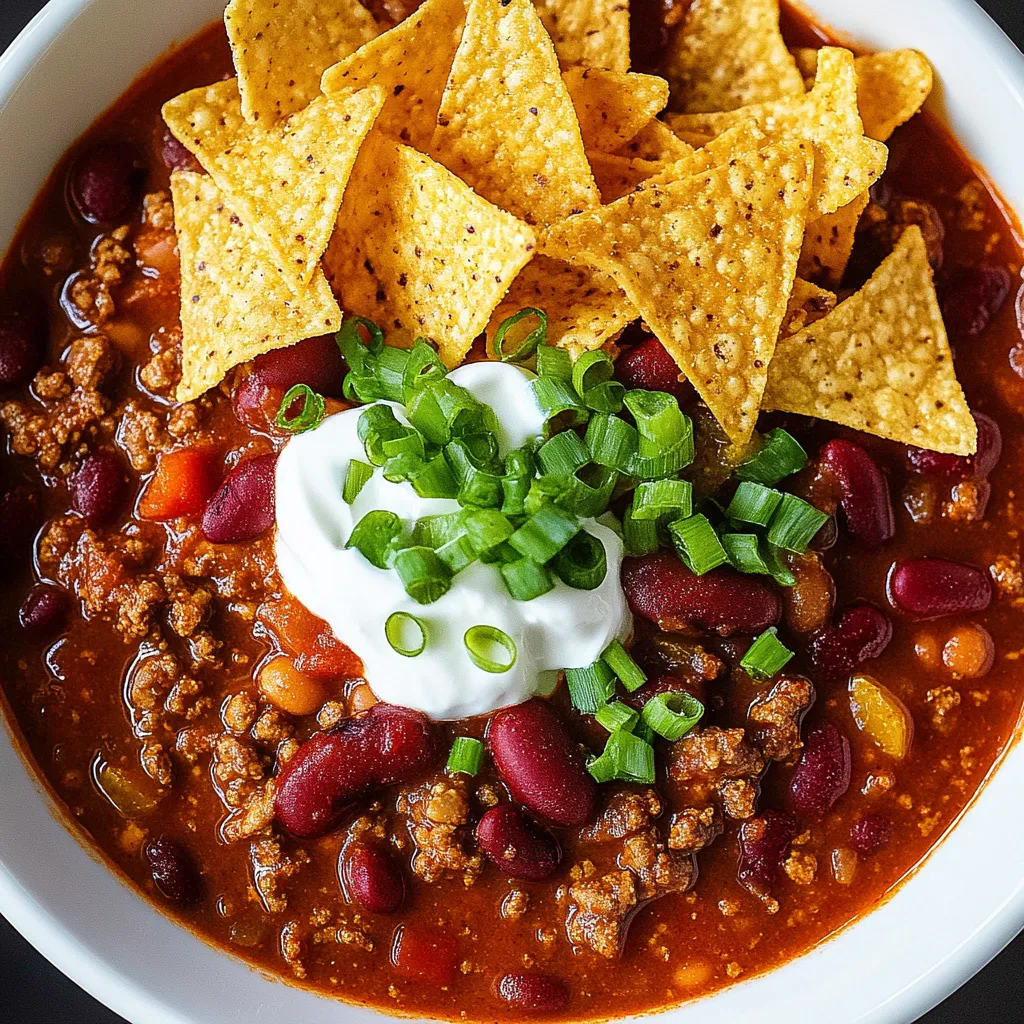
[[617, 716], [766, 656], [477, 484], [777, 567], [378, 424], [590, 687], [433, 531], [515, 484], [618, 659], [662, 425], [672, 715], [527, 343], [744, 551], [753, 503], [644, 731], [442, 410], [357, 353], [408, 442], [612, 442], [795, 524], [422, 368], [406, 634], [781, 456], [486, 528], [525, 579], [697, 544], [360, 388], [588, 493], [490, 649], [639, 536], [554, 362], [402, 467], [656, 499], [582, 563], [501, 555], [559, 404], [548, 490], [465, 756], [374, 537], [424, 576], [355, 480], [309, 417], [626, 757], [545, 533], [563, 454], [434, 479], [592, 379], [390, 372], [457, 553]]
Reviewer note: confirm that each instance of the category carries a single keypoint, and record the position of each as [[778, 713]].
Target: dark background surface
[[34, 992]]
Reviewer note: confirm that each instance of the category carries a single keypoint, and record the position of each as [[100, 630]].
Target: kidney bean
[[371, 877], [822, 774], [243, 507], [928, 588], [763, 842], [963, 467], [333, 769], [519, 848], [540, 764], [541, 993], [973, 298], [864, 492], [861, 633], [871, 833], [664, 591], [98, 487], [173, 870], [20, 517], [424, 954], [650, 367], [105, 182], [21, 349], [176, 157], [44, 610], [315, 362]]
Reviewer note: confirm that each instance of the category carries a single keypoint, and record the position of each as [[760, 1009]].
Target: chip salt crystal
[[593, 33], [613, 107]]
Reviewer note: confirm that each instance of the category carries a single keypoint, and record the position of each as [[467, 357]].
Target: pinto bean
[[173, 870], [519, 848], [928, 588], [539, 993], [822, 775], [861, 633], [289, 689], [808, 605], [371, 877], [243, 507], [864, 492]]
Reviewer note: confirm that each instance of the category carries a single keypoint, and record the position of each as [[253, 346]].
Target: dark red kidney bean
[[332, 769], [650, 367], [173, 870], [21, 349], [978, 466], [864, 492], [371, 877], [20, 517], [243, 507], [539, 993], [176, 157], [822, 774], [425, 954], [98, 487], [764, 841], [664, 591], [44, 610], [106, 181], [973, 298], [519, 848], [871, 833], [315, 362], [861, 633], [541, 765], [928, 588]]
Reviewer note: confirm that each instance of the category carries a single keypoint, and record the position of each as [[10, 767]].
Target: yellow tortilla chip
[[807, 305], [612, 107], [880, 361], [281, 49], [507, 125], [709, 263], [828, 243], [585, 308], [285, 181], [594, 33], [617, 176], [417, 251], [892, 86], [655, 141], [236, 300], [846, 162], [730, 53], [411, 62]]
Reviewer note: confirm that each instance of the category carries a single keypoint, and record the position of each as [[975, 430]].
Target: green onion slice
[[660, 422], [523, 344], [457, 553], [639, 536], [406, 634], [378, 424], [795, 524], [356, 479], [672, 715], [311, 414], [389, 370], [465, 756], [766, 656], [486, 528], [617, 716], [434, 479], [515, 484], [554, 362], [564, 454], [478, 485], [358, 353], [375, 536], [753, 503], [626, 757], [424, 576], [422, 368], [656, 499], [590, 688], [490, 649], [781, 456], [618, 659], [612, 442], [525, 579], [559, 403], [697, 544], [582, 563], [545, 533]]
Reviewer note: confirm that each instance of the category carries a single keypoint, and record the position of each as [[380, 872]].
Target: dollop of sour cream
[[565, 628]]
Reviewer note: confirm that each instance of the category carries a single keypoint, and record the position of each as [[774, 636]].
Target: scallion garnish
[[627, 757], [525, 579], [554, 362], [781, 456], [666, 434], [424, 576], [564, 454], [766, 656], [592, 379], [311, 414], [697, 544], [422, 367], [486, 528], [612, 442], [434, 479], [617, 716], [753, 503], [672, 715], [389, 369], [360, 353], [582, 563], [377, 424], [406, 634], [478, 484], [375, 536], [545, 533], [355, 480], [466, 755], [618, 659], [515, 484], [658, 499], [795, 524], [639, 536], [560, 404], [490, 649], [590, 687], [523, 345]]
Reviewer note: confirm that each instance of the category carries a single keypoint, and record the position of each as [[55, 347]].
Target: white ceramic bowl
[[960, 909]]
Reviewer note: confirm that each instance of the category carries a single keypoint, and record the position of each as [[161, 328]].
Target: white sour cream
[[565, 628]]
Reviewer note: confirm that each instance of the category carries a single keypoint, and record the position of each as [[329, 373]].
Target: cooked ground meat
[[694, 828], [773, 719], [625, 813], [439, 815]]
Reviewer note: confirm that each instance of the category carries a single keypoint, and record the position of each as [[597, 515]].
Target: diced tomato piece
[[181, 486], [317, 651], [425, 954]]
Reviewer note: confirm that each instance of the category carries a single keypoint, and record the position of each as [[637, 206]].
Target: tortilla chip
[[709, 263], [807, 305], [617, 176], [655, 141], [728, 54], [585, 307], [417, 251], [593, 33], [236, 300], [507, 125], [285, 181], [280, 49], [828, 243], [411, 62], [892, 86], [613, 107], [880, 362], [846, 162]]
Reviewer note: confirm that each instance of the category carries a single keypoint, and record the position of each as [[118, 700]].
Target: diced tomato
[[425, 954], [317, 651], [181, 486]]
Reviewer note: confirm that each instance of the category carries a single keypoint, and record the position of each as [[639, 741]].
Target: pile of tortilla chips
[[440, 174]]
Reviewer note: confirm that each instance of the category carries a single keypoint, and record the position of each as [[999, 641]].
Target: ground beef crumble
[[439, 814]]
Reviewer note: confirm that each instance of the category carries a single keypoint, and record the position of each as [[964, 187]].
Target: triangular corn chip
[[285, 181], [617, 176], [236, 301], [846, 162], [280, 49], [417, 251], [411, 63], [612, 107], [709, 263], [807, 305], [507, 124], [829, 242], [593, 33], [727, 54], [655, 141], [880, 361]]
